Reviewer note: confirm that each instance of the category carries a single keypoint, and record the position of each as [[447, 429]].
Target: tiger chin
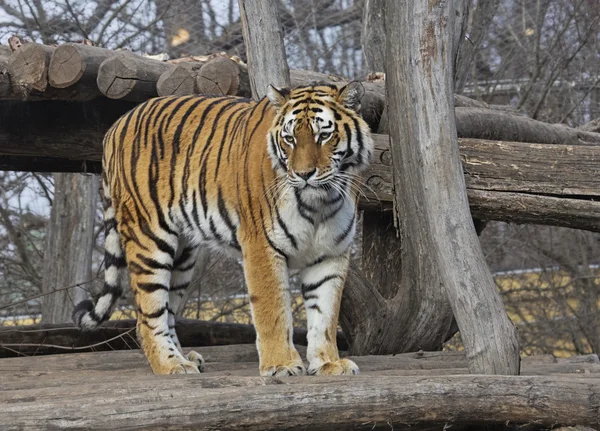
[[271, 181]]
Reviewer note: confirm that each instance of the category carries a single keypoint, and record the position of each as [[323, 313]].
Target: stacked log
[[516, 169]]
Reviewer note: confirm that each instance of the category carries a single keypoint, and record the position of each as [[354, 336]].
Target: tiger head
[[318, 138]]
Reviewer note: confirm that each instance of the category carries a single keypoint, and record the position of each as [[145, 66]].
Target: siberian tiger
[[270, 180]]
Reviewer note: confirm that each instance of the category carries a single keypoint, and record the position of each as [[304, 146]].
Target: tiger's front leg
[[322, 286], [266, 275]]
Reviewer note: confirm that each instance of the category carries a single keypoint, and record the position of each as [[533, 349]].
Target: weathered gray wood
[[74, 131], [120, 334], [176, 81], [74, 63], [28, 68], [526, 208], [263, 37], [373, 36], [130, 77], [479, 21], [69, 244], [504, 126], [5, 86], [431, 199], [203, 402]]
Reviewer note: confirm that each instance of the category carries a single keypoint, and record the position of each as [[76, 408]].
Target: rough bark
[[263, 37], [373, 36], [48, 339], [5, 86], [557, 184], [130, 77], [431, 199], [69, 245], [480, 19], [74, 63], [319, 403]]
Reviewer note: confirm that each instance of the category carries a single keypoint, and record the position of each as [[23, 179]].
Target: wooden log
[[130, 77], [74, 131], [263, 37], [28, 67], [120, 334], [220, 76], [503, 126], [74, 63], [5, 86], [48, 164], [178, 80], [253, 403]]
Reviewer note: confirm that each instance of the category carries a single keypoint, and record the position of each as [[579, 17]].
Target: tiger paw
[[291, 368], [341, 367], [197, 359], [176, 365]]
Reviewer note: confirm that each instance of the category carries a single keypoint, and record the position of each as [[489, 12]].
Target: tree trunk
[[441, 244], [480, 20], [69, 244], [263, 36], [373, 36]]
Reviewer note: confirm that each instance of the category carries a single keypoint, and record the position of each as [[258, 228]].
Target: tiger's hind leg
[[150, 260], [181, 277]]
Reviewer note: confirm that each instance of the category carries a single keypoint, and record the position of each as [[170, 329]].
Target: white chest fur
[[309, 228]]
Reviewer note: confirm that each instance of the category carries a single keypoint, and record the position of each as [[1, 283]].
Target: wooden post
[[431, 200], [69, 244], [264, 44]]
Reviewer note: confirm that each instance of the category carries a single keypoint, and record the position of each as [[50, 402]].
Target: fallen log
[[28, 68], [130, 77], [5, 86], [178, 80], [518, 182], [204, 402], [75, 63], [120, 334]]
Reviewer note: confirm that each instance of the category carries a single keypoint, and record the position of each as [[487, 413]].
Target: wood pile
[[412, 391], [516, 169]]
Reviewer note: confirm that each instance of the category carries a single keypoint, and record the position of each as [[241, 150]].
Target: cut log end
[[28, 67], [116, 77], [177, 81], [220, 76], [67, 66]]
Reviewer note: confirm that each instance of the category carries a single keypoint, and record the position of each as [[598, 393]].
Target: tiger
[[270, 181]]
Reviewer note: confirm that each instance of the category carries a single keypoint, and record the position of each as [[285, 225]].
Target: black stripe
[[162, 245], [154, 315], [152, 263], [338, 239], [359, 138], [315, 307], [225, 216], [213, 229], [314, 286], [224, 139], [179, 287], [152, 287], [186, 253], [112, 260], [285, 229]]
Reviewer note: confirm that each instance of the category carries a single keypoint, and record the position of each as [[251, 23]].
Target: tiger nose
[[307, 174]]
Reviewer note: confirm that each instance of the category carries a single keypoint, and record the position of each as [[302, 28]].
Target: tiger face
[[318, 138]]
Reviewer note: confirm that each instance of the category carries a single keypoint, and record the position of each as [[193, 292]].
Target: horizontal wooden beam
[[512, 181], [47, 339]]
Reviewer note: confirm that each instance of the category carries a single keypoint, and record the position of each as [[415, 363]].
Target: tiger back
[[270, 181]]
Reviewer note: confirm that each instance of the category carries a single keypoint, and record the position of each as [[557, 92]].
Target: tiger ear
[[350, 95], [278, 96]]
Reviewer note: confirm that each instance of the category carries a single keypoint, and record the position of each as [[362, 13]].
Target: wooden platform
[[116, 390]]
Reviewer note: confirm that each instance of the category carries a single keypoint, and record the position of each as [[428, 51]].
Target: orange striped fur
[[270, 180]]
